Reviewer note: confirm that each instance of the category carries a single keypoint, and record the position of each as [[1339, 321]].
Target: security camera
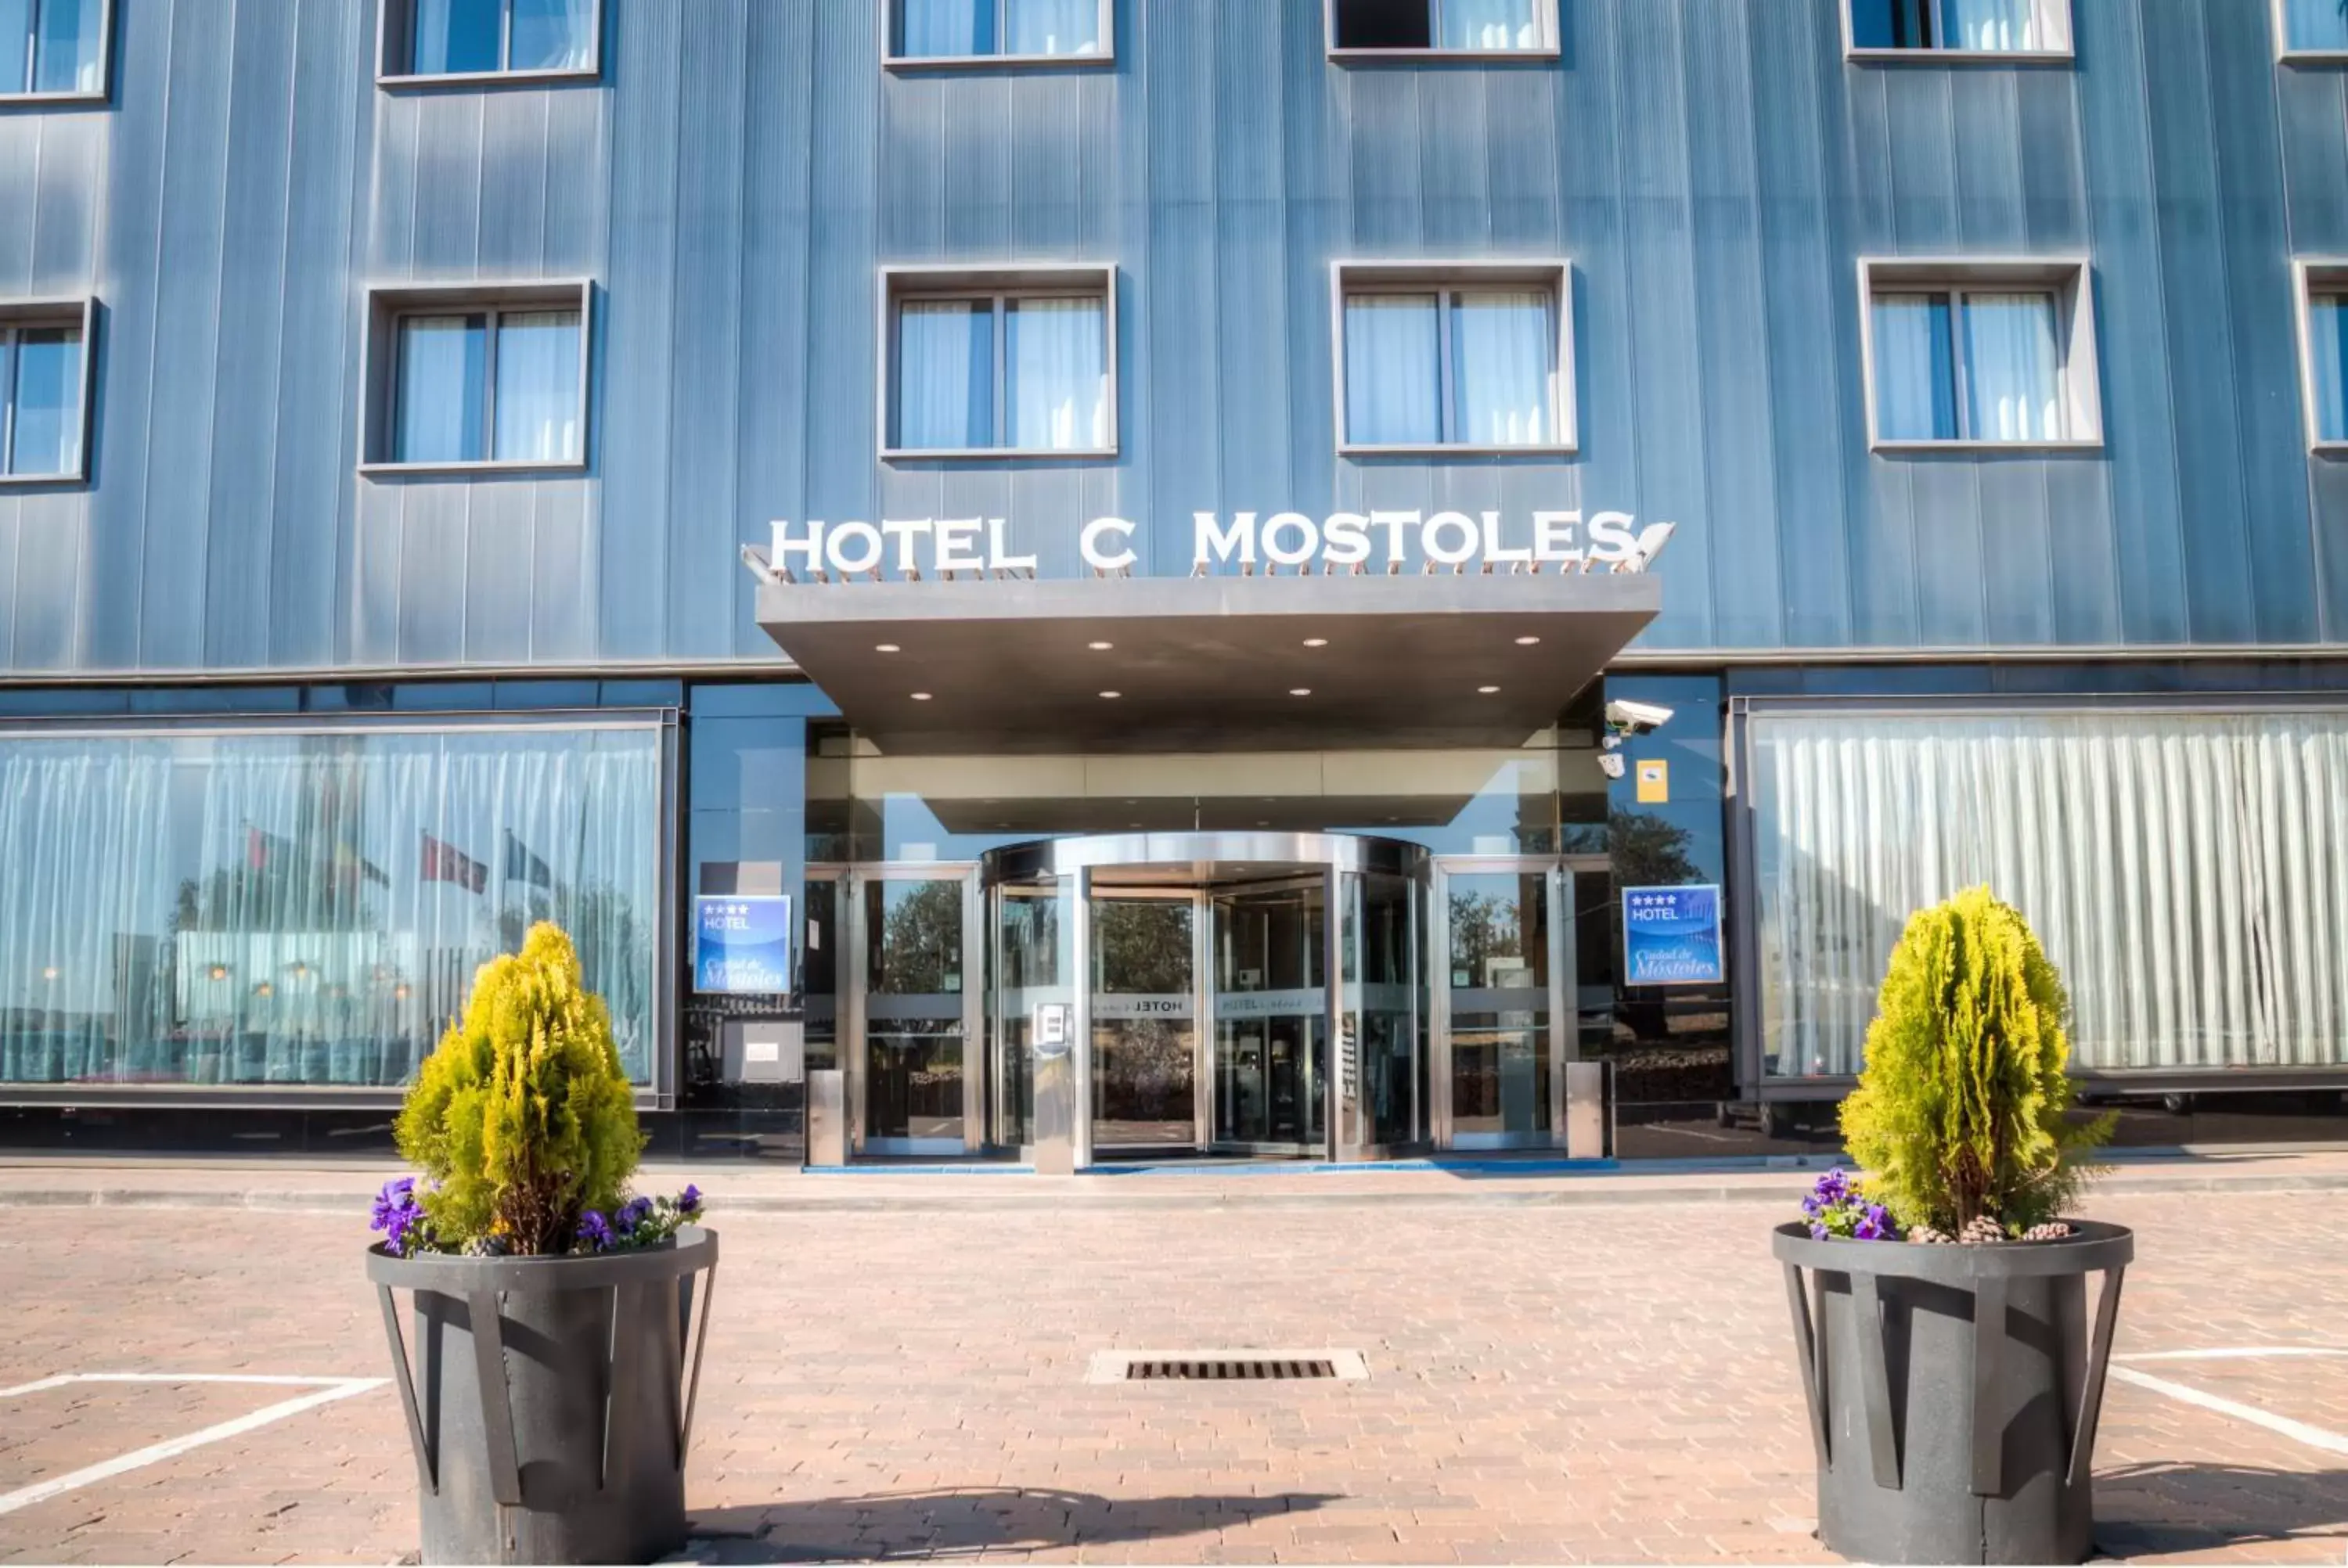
[[1610, 763], [1630, 718]]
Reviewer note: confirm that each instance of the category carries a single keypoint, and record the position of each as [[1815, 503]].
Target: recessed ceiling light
[[1112, 694], [1527, 642], [1300, 691], [921, 696], [886, 648], [1486, 691], [1316, 643], [1100, 647]]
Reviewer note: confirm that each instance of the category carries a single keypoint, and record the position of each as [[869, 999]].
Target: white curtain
[[945, 374], [1057, 365], [1052, 28], [2014, 375], [1504, 367], [67, 53], [1394, 382], [551, 35], [449, 36], [2188, 873], [935, 28], [538, 403], [2327, 330], [442, 363], [1915, 384], [308, 909], [41, 379], [2314, 24], [1490, 24], [1993, 24]]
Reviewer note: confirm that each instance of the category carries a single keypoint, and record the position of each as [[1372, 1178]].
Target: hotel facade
[[1074, 582]]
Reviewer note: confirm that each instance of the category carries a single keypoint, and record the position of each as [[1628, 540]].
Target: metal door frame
[[1564, 994], [854, 979]]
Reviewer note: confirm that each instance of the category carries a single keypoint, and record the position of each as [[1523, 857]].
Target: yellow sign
[[1654, 783]]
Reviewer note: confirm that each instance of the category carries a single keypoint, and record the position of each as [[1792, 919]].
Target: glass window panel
[[16, 45], [942, 28], [450, 36], [1384, 24], [945, 374], [1491, 24], [1504, 363], [551, 35], [1993, 24], [1058, 374], [1052, 28], [2328, 335], [2013, 368], [69, 45], [2314, 24], [538, 403], [1915, 377], [1394, 380], [443, 370], [1891, 24], [47, 435], [309, 908]]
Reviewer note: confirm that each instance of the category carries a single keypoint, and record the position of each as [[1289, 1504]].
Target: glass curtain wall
[[308, 907]]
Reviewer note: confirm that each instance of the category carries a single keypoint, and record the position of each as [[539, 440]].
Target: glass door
[[1496, 980], [917, 1002], [1272, 1018], [1145, 1022]]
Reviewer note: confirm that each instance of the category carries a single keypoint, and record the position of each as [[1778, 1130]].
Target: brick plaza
[[898, 1369]]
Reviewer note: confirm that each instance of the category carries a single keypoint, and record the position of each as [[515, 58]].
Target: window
[[1442, 27], [2005, 28], [1979, 354], [1467, 356], [940, 32], [54, 48], [444, 40], [2311, 30], [1017, 362], [2324, 352], [480, 378], [44, 390]]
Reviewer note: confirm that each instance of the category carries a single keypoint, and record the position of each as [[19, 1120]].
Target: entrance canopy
[[1205, 663]]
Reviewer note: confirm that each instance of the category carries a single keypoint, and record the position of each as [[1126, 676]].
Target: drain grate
[[1244, 1366]]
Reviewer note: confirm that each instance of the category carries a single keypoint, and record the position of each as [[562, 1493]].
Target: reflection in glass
[[1394, 376], [1504, 353], [538, 400], [67, 46], [913, 1009], [1145, 1024], [1915, 368], [40, 371], [551, 35], [1052, 28], [2014, 371], [1381, 939], [1490, 24], [443, 386], [1271, 1018], [1500, 1004], [819, 972], [942, 29], [2328, 342], [1032, 964], [450, 37], [945, 374], [1057, 377], [2319, 24], [309, 908]]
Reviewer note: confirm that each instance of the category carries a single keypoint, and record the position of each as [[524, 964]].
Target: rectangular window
[[1077, 31], [2328, 346], [2312, 26], [53, 48], [1024, 366], [2001, 357], [2039, 27], [307, 908], [428, 38], [1445, 26], [1452, 360], [42, 384], [482, 381]]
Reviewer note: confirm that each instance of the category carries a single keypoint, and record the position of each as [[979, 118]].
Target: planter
[[1953, 1391], [550, 1404]]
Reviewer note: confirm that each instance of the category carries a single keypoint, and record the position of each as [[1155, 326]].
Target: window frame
[[1551, 46], [2071, 281], [2311, 276], [1002, 285], [390, 304], [24, 97], [2058, 12], [891, 60], [1445, 279], [395, 32], [18, 314], [2288, 56]]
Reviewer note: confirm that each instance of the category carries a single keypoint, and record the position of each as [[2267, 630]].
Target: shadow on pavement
[[965, 1522], [2152, 1509]]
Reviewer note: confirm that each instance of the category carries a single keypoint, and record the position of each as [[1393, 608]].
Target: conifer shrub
[[1963, 1111], [522, 1119]]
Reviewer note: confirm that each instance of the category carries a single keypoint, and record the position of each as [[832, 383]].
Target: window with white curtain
[[1449, 26], [1073, 30], [2312, 26], [488, 381], [2324, 351], [1452, 362], [2004, 354], [425, 38], [53, 48], [1014, 366], [1959, 27], [2188, 873], [42, 382]]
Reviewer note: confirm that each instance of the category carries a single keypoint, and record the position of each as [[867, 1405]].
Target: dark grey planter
[[550, 1404], [1953, 1391]]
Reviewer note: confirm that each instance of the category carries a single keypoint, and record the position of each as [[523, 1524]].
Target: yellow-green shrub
[[523, 1116], [1964, 1108]]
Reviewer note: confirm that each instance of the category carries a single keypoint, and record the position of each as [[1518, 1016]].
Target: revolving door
[[1227, 994]]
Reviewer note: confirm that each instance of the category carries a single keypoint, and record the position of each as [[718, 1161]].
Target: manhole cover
[[1225, 1365]]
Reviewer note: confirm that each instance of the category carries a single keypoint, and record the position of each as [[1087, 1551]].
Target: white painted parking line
[[2298, 1431], [326, 1390], [2235, 1353]]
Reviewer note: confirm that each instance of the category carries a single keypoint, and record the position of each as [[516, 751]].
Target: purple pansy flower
[[689, 1201], [398, 1215], [632, 1214], [595, 1230]]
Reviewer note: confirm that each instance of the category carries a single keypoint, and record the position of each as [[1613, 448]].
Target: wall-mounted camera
[[1628, 718], [1610, 763]]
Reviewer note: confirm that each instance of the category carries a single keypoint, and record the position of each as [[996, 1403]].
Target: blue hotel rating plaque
[[1671, 935], [742, 944]]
